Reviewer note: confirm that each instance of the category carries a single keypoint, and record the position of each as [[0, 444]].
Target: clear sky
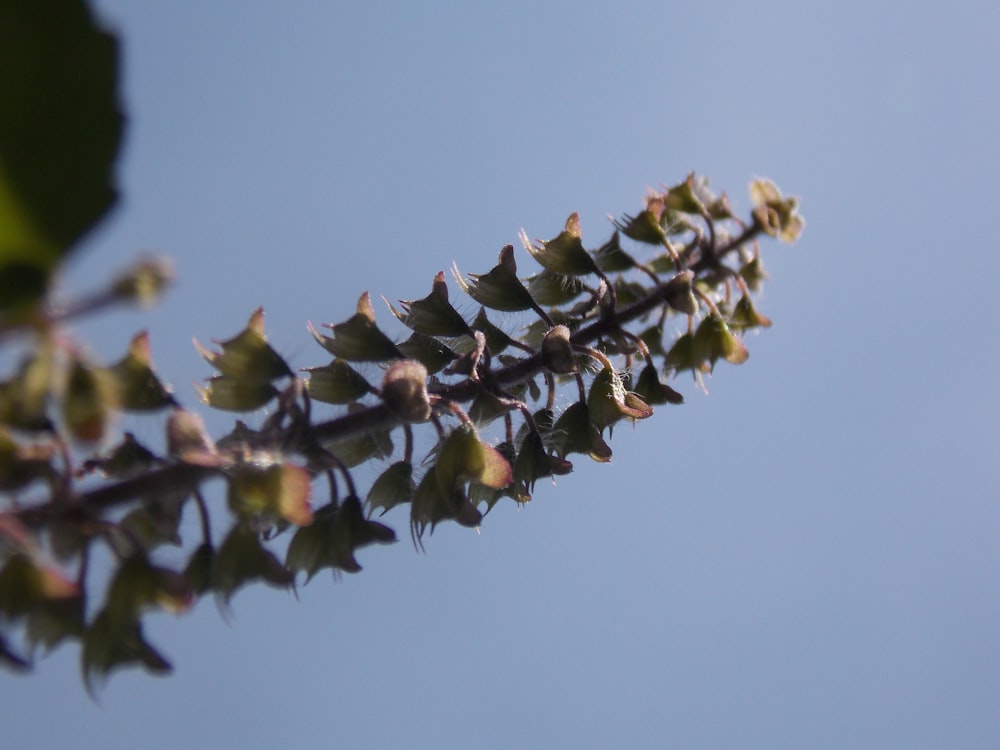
[[805, 558]]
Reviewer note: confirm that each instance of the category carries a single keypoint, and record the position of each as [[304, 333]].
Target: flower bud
[[404, 390]]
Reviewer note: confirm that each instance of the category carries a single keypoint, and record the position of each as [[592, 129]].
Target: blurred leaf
[[683, 197], [275, 491], [241, 559], [138, 387], [156, 521], [138, 585], [20, 465], [145, 282], [188, 440], [236, 394], [198, 571], [247, 358], [330, 542], [109, 644], [128, 458], [89, 401], [776, 215], [24, 398], [745, 316], [59, 137]]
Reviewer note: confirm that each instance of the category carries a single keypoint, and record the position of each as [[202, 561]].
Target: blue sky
[[806, 557]]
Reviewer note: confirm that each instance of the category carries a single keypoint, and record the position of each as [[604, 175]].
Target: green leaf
[[59, 137]]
